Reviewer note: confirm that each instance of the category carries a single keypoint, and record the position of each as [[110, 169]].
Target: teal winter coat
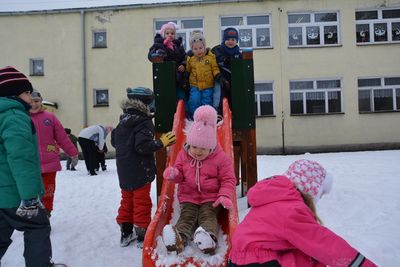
[[20, 176]]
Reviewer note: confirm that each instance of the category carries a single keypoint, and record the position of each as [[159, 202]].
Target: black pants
[[37, 248], [273, 263], [89, 150]]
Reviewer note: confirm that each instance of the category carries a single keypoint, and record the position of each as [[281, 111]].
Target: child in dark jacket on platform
[[282, 227], [206, 184], [170, 48], [224, 53], [134, 144]]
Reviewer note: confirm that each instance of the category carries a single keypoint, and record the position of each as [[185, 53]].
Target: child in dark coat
[[134, 144], [71, 161], [171, 49], [224, 53]]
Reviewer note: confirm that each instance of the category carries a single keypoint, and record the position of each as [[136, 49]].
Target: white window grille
[[322, 96], [313, 29], [254, 30], [378, 26]]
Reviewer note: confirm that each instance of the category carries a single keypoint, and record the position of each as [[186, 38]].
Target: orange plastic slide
[[227, 220]]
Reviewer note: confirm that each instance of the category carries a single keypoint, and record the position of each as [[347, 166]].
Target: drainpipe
[[84, 93]]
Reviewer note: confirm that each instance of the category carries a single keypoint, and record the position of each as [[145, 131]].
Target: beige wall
[[57, 39]]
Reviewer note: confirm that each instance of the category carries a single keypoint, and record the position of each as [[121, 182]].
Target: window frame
[[258, 94], [180, 30], [313, 23], [378, 20], [32, 68], [95, 99], [95, 44], [245, 26], [315, 89], [374, 88]]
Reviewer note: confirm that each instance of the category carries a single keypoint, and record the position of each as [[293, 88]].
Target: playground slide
[[152, 254]]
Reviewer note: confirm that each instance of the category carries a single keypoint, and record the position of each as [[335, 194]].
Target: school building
[[327, 72]]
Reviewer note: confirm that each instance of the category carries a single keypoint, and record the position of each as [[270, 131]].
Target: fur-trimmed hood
[[135, 112]]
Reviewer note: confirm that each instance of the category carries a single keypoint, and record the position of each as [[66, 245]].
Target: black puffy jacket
[[134, 144]]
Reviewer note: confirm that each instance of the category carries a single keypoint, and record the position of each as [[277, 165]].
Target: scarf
[[232, 52]]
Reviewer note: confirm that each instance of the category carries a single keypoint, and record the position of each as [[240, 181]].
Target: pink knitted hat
[[169, 25], [203, 131], [310, 178]]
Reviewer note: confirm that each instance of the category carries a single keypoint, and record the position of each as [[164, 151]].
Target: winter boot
[[140, 233], [172, 239], [206, 242], [127, 234], [73, 168], [104, 167]]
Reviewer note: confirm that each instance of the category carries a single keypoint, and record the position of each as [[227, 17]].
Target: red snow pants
[[49, 181], [135, 206]]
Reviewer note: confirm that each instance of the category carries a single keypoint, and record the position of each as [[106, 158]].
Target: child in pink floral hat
[[282, 227], [206, 184]]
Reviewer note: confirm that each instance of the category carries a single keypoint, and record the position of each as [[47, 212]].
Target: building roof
[[18, 6]]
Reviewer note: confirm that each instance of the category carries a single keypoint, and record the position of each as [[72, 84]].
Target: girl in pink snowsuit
[[206, 184], [282, 228]]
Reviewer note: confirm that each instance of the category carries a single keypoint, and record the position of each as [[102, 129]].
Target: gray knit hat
[[197, 36]]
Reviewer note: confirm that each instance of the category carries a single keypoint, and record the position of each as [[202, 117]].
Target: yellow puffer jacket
[[202, 71]]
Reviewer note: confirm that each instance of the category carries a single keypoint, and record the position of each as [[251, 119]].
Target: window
[[264, 97], [101, 97], [99, 39], [36, 67], [313, 29], [378, 26], [254, 31], [378, 94], [185, 27], [315, 96]]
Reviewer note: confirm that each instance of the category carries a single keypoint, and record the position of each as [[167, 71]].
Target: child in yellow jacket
[[203, 71]]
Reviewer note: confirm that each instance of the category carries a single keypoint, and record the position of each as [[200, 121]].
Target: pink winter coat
[[51, 135], [279, 226], [215, 177]]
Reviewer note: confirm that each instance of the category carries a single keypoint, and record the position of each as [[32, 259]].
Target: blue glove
[[29, 208]]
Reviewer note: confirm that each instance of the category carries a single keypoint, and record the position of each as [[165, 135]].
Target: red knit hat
[[203, 131], [13, 82], [310, 178]]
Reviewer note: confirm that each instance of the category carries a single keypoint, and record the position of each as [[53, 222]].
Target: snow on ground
[[363, 207]]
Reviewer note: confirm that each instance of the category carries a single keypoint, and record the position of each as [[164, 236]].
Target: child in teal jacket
[[20, 181]]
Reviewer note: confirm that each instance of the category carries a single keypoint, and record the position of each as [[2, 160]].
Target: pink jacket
[[215, 177], [279, 226], [51, 135]]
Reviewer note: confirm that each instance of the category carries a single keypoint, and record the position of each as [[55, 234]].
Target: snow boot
[[104, 167], [206, 242], [140, 233], [172, 239], [127, 234]]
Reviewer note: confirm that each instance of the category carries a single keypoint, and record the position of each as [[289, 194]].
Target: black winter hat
[[231, 33], [141, 93], [13, 82]]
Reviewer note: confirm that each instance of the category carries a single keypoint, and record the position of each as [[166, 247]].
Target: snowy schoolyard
[[363, 207]]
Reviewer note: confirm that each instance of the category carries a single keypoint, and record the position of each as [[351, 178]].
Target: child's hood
[[12, 102], [135, 112], [273, 189]]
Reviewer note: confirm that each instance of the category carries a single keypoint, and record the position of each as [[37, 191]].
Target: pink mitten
[[224, 202], [170, 173]]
